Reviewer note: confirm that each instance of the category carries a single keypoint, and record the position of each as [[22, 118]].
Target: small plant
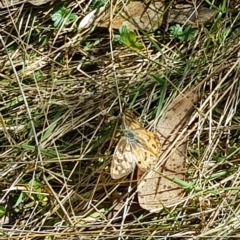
[[62, 15], [128, 38], [28, 199], [183, 34], [98, 3]]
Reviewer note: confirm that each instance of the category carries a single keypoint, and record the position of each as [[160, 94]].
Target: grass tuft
[[62, 92]]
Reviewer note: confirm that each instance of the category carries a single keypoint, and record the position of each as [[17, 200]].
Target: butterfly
[[137, 146]]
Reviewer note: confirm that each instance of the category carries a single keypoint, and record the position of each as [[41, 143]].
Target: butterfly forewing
[[129, 121], [122, 162]]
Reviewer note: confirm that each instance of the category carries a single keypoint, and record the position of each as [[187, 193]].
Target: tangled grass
[[62, 92]]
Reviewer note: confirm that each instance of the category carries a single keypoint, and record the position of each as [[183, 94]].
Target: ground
[[63, 93]]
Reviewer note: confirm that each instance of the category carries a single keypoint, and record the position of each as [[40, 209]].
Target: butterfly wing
[[148, 140], [149, 149], [123, 161], [129, 120]]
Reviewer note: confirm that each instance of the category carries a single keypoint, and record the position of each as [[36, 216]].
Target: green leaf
[[175, 30], [185, 34], [2, 211], [62, 15], [218, 174], [97, 3], [163, 85], [128, 38], [19, 199]]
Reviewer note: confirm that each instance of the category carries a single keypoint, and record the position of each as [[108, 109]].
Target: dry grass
[[62, 92]]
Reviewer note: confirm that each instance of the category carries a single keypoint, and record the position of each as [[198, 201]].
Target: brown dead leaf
[[155, 191], [38, 2], [187, 14], [137, 15], [119, 200], [9, 3]]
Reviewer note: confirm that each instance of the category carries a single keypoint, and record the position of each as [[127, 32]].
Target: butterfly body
[[138, 146]]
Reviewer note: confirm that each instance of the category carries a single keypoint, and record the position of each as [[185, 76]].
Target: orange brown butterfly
[[137, 146]]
